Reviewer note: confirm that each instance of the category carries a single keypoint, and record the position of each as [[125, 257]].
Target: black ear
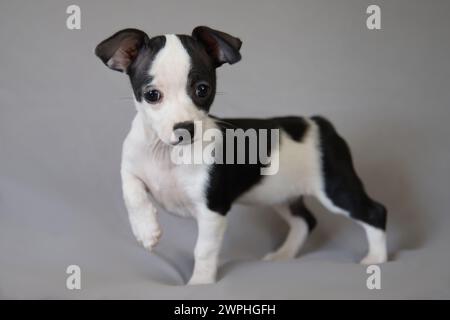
[[120, 50], [220, 46]]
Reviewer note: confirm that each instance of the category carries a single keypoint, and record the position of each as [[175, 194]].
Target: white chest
[[177, 188]]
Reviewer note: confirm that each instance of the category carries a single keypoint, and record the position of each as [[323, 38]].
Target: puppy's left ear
[[220, 46]]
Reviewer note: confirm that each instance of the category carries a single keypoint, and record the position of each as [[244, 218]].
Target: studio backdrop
[[64, 116]]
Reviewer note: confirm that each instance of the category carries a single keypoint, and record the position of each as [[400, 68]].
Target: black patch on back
[[229, 181], [342, 185], [202, 70], [294, 126], [138, 70]]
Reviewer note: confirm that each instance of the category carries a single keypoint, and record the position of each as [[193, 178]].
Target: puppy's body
[[173, 79], [178, 188]]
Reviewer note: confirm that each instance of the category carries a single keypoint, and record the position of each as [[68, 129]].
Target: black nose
[[184, 132]]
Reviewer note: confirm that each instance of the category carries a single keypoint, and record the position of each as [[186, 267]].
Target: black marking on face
[[139, 69], [201, 83], [131, 51]]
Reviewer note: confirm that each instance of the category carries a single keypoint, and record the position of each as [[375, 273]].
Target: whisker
[[224, 122]]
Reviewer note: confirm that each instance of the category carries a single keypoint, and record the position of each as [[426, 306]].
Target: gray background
[[63, 117]]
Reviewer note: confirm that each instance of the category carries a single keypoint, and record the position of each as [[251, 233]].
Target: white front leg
[[211, 228], [141, 212]]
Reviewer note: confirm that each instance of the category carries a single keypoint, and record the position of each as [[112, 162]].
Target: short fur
[[313, 159]]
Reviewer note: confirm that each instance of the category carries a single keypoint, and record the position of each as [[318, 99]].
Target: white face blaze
[[169, 71]]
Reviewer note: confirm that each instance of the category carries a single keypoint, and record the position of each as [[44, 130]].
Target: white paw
[[196, 280], [147, 234], [151, 238], [277, 256], [374, 259]]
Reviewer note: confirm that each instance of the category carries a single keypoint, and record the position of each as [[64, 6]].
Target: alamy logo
[[373, 22], [73, 21], [374, 280], [73, 281], [233, 146]]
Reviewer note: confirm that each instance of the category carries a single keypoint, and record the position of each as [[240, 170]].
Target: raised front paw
[[147, 234], [151, 238]]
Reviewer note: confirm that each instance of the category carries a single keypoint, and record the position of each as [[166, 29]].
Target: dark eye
[[202, 90], [152, 96]]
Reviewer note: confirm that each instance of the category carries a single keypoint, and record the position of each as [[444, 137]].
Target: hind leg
[[370, 215], [301, 222], [377, 252], [343, 192]]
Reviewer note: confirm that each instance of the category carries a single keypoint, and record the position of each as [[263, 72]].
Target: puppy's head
[[173, 76]]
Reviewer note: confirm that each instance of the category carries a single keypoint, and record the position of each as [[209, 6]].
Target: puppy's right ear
[[120, 50]]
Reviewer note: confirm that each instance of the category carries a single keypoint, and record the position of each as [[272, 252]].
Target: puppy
[[173, 78]]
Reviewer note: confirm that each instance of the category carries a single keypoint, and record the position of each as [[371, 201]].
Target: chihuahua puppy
[[173, 78]]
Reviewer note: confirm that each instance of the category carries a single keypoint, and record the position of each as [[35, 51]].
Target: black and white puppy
[[174, 83]]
